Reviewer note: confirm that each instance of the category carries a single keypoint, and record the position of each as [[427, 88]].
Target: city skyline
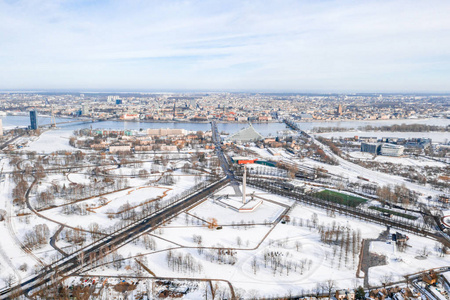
[[208, 149], [290, 46]]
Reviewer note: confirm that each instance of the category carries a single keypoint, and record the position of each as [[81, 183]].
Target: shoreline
[[234, 122], [270, 122]]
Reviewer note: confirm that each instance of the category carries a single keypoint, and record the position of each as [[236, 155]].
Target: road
[[76, 261], [278, 188], [82, 166], [233, 295], [375, 176], [218, 143], [223, 160], [10, 141], [87, 255], [54, 238]]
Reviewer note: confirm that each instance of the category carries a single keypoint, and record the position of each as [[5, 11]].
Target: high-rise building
[[339, 110], [85, 109], [112, 99], [33, 120]]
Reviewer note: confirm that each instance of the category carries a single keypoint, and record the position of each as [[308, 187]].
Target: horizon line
[[104, 91]]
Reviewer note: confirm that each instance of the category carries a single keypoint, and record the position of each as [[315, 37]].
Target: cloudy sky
[[303, 46]]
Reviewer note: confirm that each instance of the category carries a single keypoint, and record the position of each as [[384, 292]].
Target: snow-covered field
[[266, 212], [407, 262], [316, 262], [441, 137], [16, 264], [407, 161], [12, 256], [256, 253], [282, 239], [51, 141]]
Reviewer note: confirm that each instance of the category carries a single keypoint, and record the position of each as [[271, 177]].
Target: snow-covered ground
[[250, 243], [440, 137], [282, 238], [18, 264], [352, 171], [247, 237], [51, 141], [406, 160], [12, 256], [407, 262], [266, 212]]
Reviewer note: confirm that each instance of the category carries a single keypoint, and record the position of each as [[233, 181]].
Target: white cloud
[[238, 45]]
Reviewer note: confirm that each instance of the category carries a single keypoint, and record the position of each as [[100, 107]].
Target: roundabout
[[445, 220]]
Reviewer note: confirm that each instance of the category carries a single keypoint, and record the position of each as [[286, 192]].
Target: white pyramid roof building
[[248, 134]]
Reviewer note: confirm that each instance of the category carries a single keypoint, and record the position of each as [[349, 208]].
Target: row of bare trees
[[37, 237], [345, 242], [281, 263], [397, 194], [183, 263]]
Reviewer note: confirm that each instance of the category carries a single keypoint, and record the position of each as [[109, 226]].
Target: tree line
[[405, 128]]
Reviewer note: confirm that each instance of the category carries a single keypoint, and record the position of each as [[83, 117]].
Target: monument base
[[235, 203]]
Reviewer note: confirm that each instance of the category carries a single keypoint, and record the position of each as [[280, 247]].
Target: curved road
[[104, 246]]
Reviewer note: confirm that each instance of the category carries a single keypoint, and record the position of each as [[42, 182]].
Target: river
[[266, 129]]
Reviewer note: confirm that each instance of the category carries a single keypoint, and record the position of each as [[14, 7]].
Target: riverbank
[[264, 128]]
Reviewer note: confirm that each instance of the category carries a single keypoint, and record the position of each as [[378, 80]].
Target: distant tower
[[33, 120], [192, 103], [85, 109], [244, 184], [111, 99], [52, 120], [339, 110]]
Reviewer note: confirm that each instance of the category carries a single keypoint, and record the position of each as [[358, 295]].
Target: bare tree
[[255, 264], [318, 289], [330, 285], [385, 279]]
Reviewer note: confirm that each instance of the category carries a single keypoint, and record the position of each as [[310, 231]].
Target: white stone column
[[244, 183]]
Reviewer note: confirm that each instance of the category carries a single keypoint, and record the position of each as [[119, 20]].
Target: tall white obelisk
[[244, 183]]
